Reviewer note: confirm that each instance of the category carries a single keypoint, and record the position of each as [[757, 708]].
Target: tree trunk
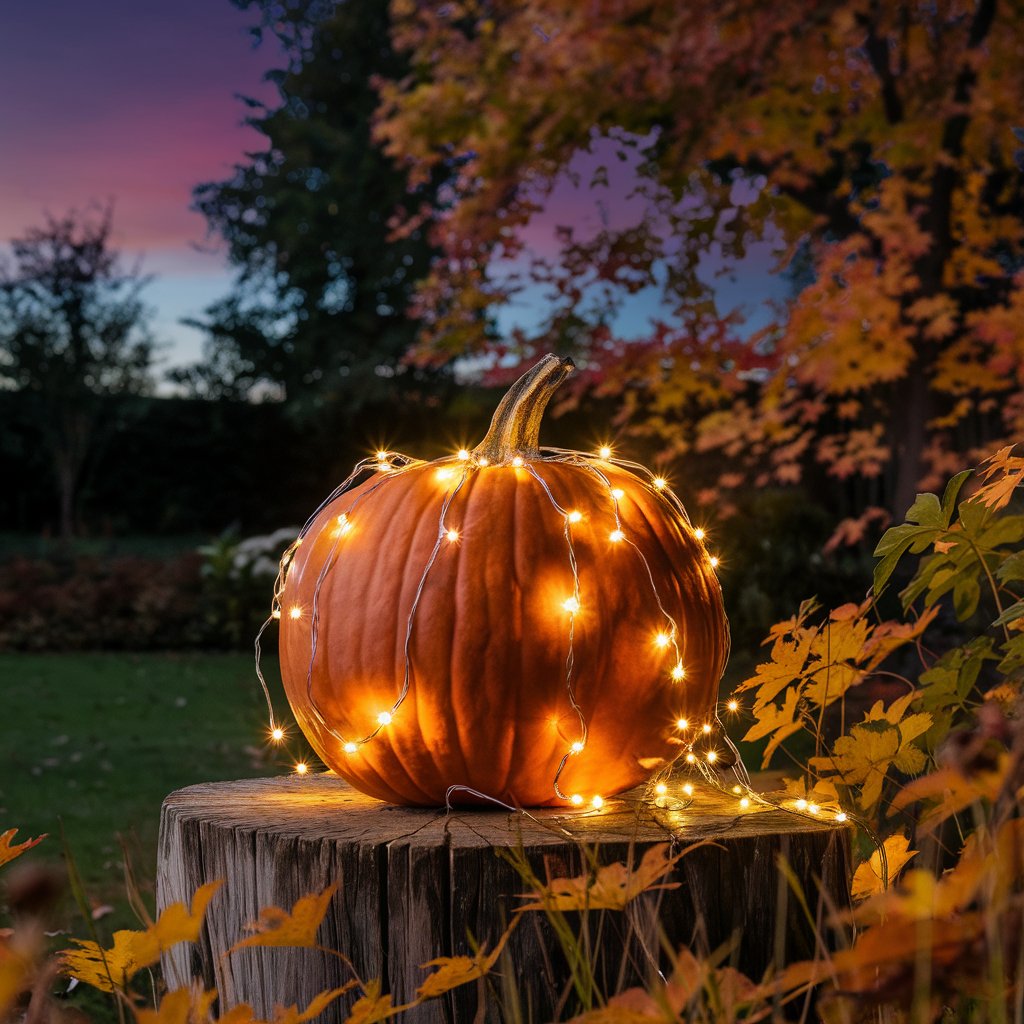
[[417, 884], [912, 409]]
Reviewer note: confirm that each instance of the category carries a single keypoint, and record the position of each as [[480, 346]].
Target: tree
[[874, 140], [319, 306], [74, 339]]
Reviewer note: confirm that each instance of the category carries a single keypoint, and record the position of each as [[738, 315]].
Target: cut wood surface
[[416, 884]]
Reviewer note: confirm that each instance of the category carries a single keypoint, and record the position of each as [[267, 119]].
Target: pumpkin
[[529, 626]]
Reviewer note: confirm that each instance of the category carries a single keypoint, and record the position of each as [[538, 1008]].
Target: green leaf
[[966, 595], [973, 517], [951, 493], [1006, 530], [1011, 569], [926, 511], [1015, 611], [894, 544]]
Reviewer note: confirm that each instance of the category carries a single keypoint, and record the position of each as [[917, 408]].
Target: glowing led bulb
[[616, 535], [301, 768], [295, 612], [574, 516], [597, 803], [733, 705], [660, 482], [678, 672], [577, 747], [276, 613], [661, 789], [714, 561], [463, 455], [737, 790], [691, 757], [698, 533], [277, 734], [343, 526], [682, 723], [688, 789], [745, 803], [384, 718], [706, 728], [813, 808], [618, 493], [444, 473], [662, 640], [575, 799], [483, 461], [570, 604], [517, 461], [351, 748], [712, 757], [801, 805], [604, 452], [841, 816], [382, 456], [452, 535]]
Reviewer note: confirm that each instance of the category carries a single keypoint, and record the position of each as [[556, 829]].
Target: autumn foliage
[[873, 147]]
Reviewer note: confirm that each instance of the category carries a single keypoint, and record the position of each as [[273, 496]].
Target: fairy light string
[[696, 755]]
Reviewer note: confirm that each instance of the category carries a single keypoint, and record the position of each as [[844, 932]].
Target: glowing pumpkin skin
[[488, 707]]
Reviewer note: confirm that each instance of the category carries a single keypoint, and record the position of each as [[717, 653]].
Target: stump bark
[[417, 884]]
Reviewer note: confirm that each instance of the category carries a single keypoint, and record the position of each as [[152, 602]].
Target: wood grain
[[415, 884]]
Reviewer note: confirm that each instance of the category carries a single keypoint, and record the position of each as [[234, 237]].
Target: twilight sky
[[135, 101]]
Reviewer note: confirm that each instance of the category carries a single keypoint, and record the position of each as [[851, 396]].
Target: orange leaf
[[869, 878], [1003, 473], [9, 852], [277, 927], [454, 971], [372, 1007], [182, 1006], [16, 967]]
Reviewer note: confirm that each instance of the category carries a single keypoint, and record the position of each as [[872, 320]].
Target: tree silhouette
[[73, 337]]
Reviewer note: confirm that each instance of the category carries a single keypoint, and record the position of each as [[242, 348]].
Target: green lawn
[[98, 740]]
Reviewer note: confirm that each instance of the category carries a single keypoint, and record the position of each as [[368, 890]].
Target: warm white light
[[733, 705], [597, 803], [517, 461], [570, 604], [712, 756], [295, 612], [745, 803], [351, 748], [343, 526], [452, 535], [706, 728], [575, 799], [277, 734], [714, 562], [691, 757], [801, 805], [463, 455], [688, 789], [737, 790], [660, 482], [384, 718], [618, 493], [301, 768], [813, 808], [382, 456], [574, 516], [682, 723], [661, 789], [483, 461], [841, 816], [444, 473], [698, 533], [604, 451], [276, 613], [678, 672], [577, 747], [662, 640], [616, 535]]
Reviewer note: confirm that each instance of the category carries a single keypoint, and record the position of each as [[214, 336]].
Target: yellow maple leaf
[[870, 877], [182, 1006], [453, 971], [277, 927], [1003, 473], [372, 1007], [778, 722], [952, 790], [8, 850], [243, 1013], [611, 887], [107, 969]]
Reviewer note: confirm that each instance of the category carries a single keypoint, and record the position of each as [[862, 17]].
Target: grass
[[96, 741]]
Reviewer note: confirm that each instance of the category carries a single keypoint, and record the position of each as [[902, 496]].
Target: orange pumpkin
[[524, 625]]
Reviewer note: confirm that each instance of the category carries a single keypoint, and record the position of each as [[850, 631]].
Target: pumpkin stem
[[515, 426]]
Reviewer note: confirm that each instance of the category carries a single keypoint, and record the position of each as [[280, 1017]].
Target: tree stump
[[416, 884]]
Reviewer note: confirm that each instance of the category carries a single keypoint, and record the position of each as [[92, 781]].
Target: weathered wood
[[414, 884]]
